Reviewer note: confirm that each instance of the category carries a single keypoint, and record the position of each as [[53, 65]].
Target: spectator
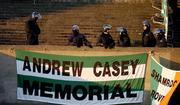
[[124, 39], [105, 40], [32, 29], [160, 38], [148, 39], [78, 39]]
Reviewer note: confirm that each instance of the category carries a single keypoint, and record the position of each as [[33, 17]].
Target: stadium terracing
[[60, 15]]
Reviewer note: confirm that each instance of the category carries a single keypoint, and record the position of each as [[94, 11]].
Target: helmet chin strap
[[75, 32], [105, 32]]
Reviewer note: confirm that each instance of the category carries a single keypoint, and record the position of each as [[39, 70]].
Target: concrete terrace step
[[57, 19], [156, 4]]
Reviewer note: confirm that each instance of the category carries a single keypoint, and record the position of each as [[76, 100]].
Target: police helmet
[[122, 30], [107, 26], [146, 23], [158, 31], [36, 14], [75, 27]]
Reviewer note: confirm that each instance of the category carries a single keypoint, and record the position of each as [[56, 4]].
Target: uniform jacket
[[32, 30], [106, 40], [79, 40]]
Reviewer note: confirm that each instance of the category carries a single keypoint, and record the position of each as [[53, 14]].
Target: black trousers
[[32, 39]]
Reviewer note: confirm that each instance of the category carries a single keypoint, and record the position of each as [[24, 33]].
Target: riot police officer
[[32, 29], [160, 38], [78, 39], [105, 39], [148, 39], [124, 39]]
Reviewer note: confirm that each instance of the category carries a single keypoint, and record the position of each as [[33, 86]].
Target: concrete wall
[[8, 66]]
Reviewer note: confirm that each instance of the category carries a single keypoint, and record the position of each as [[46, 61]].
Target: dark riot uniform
[[148, 39], [79, 40], [124, 39], [162, 43], [32, 31], [106, 40], [160, 38]]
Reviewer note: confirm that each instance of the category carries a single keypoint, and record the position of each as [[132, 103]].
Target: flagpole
[[34, 2]]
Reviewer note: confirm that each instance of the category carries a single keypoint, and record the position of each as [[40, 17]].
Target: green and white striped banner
[[77, 80]]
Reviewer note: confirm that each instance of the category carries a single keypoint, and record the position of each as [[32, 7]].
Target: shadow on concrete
[[170, 64], [8, 79], [175, 96], [21, 8]]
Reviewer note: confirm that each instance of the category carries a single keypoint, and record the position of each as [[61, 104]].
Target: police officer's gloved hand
[[112, 45], [78, 45], [90, 46]]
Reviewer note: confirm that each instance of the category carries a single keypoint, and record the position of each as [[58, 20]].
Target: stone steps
[[56, 22]]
